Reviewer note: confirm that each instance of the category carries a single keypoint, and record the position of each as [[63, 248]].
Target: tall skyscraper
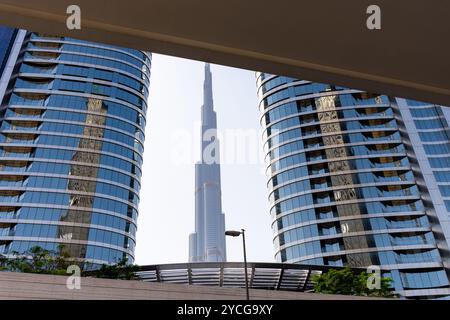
[[358, 179], [72, 124], [207, 243]]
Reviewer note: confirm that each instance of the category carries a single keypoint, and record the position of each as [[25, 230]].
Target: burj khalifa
[[207, 243]]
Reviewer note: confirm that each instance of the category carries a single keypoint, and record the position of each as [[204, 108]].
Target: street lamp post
[[233, 233], [245, 264]]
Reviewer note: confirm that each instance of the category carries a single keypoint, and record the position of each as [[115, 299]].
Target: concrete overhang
[[321, 40]]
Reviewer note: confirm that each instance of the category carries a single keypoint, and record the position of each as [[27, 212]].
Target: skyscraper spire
[[208, 114], [207, 88], [207, 243]]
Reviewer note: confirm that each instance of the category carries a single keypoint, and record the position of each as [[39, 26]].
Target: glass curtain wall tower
[[72, 124], [345, 185], [7, 36]]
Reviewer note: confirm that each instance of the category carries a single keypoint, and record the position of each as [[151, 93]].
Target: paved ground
[[34, 286]]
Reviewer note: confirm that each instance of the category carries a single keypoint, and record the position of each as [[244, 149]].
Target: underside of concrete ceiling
[[322, 40]]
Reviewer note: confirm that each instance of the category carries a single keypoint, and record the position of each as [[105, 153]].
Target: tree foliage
[[345, 281], [39, 260], [121, 270], [36, 260]]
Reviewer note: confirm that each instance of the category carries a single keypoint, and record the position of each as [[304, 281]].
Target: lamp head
[[233, 233]]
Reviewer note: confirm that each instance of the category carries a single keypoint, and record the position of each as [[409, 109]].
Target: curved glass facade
[[342, 189], [71, 142]]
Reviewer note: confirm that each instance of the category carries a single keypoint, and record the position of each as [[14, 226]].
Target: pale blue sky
[[167, 194]]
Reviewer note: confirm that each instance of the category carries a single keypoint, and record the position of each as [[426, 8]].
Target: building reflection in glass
[[88, 155]]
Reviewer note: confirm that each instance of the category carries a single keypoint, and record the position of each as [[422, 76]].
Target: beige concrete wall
[[34, 286]]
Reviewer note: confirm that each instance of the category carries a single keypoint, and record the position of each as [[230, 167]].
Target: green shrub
[[344, 281]]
